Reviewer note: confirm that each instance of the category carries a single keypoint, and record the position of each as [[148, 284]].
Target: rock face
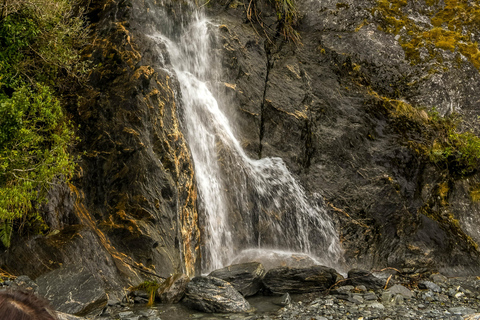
[[390, 202], [245, 277], [299, 280], [73, 290], [173, 289], [209, 294]]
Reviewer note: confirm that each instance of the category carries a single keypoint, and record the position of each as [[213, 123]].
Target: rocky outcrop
[[246, 278], [393, 206], [209, 294]]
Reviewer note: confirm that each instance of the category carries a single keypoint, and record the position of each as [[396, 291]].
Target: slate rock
[[210, 294], [73, 290], [299, 280], [399, 289], [429, 285], [245, 277], [66, 316], [173, 289], [358, 277]]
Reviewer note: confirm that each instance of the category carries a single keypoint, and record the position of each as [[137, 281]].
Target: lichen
[[452, 23]]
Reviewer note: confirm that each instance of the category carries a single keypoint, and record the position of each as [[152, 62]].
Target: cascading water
[[246, 203]]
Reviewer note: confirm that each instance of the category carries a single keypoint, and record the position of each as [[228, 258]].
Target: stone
[[357, 277], [210, 294], [299, 280], [173, 289], [376, 305], [66, 316], [245, 277], [438, 278], [461, 310], [370, 296], [399, 289], [429, 285], [74, 290]]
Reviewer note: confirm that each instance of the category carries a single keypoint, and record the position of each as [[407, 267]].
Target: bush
[[39, 42]]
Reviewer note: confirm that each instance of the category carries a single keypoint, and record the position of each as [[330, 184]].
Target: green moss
[[453, 21], [150, 287], [434, 137]]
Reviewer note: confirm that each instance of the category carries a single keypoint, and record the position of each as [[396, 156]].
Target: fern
[[6, 232]]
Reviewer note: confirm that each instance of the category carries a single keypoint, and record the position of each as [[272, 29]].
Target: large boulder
[[73, 290], [357, 277], [245, 277], [173, 289], [210, 294], [299, 280]]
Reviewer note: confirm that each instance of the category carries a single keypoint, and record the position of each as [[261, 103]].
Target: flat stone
[[461, 310], [358, 277], [399, 289], [376, 305], [210, 294], [299, 280], [429, 285], [245, 277], [73, 290]]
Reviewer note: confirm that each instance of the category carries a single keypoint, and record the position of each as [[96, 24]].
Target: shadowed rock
[[209, 294], [245, 277], [73, 290], [299, 280], [173, 289], [357, 277]]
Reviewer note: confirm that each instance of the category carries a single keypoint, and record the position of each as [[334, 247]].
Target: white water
[[245, 203]]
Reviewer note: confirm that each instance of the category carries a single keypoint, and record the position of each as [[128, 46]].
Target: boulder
[[73, 290], [173, 289], [299, 280], [210, 294], [357, 277], [399, 289], [245, 277]]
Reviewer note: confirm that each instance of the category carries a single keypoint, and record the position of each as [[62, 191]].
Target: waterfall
[[245, 203]]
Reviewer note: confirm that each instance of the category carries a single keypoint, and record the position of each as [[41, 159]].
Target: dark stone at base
[[173, 289], [245, 277], [299, 280], [357, 277], [209, 294], [73, 290]]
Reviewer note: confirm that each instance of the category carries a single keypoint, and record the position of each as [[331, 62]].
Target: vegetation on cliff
[[38, 60], [451, 27]]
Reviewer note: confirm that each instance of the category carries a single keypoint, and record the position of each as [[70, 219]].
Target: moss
[[150, 287], [433, 137], [453, 21]]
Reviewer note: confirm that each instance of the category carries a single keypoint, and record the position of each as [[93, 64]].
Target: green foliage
[[38, 41], [435, 137]]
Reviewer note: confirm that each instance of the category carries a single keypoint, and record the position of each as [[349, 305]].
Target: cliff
[[348, 109]]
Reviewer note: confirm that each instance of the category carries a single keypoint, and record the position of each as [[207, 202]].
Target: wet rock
[[73, 290], [210, 294], [299, 280], [245, 277], [358, 277], [173, 289]]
